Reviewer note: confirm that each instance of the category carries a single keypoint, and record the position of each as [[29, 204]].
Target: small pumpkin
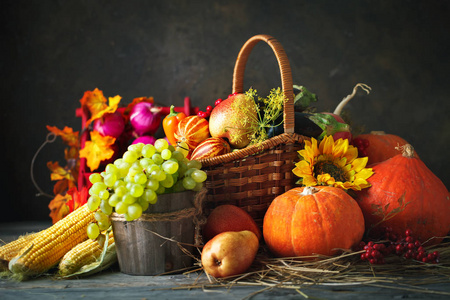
[[405, 194], [380, 145], [312, 220], [192, 130], [211, 147]]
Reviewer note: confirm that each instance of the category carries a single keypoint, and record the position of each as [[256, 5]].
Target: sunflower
[[332, 163]]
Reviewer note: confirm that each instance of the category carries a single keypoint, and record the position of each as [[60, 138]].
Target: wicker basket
[[252, 177]]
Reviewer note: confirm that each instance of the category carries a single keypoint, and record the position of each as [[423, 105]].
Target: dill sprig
[[269, 110]]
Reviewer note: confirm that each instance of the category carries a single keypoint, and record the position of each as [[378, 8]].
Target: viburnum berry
[[408, 247], [218, 101], [361, 145]]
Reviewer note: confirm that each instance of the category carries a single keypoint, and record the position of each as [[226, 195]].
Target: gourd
[[380, 146], [211, 147], [312, 220], [405, 194], [192, 130]]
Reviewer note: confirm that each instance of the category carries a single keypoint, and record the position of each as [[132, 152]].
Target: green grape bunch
[[133, 182]]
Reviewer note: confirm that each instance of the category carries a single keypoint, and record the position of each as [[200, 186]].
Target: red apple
[[229, 217], [235, 118], [229, 253]]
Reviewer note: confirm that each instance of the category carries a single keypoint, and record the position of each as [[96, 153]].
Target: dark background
[[54, 51]]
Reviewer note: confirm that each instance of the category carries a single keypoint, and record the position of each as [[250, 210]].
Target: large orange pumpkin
[[381, 145], [405, 194], [312, 220]]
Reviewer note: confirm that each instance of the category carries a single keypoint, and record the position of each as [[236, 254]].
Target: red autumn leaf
[[99, 148], [58, 207], [111, 108], [78, 198], [67, 134], [94, 101]]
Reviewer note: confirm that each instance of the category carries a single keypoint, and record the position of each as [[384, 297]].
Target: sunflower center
[[326, 167]]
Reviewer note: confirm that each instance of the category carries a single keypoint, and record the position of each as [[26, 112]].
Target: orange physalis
[[97, 149]]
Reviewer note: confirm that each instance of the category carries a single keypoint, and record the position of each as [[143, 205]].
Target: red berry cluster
[[361, 145], [209, 108], [408, 247], [205, 114]]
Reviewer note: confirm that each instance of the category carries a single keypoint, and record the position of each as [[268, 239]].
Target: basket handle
[[285, 70]]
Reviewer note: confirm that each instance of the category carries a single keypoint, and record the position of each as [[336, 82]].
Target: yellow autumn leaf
[[109, 109], [96, 150], [58, 172]]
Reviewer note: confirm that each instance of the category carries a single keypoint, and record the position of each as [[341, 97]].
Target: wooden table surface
[[112, 284]]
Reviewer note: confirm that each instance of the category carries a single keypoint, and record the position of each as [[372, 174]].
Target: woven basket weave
[[252, 177]]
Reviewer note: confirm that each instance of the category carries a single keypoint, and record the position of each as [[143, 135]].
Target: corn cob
[[82, 254], [10, 250], [50, 245]]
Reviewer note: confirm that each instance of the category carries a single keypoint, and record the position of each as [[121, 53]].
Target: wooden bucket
[[152, 244]]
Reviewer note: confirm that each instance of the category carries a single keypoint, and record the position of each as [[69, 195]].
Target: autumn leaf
[[109, 109], [71, 154], [61, 187], [97, 149], [58, 172], [59, 208], [64, 177], [94, 101], [68, 136], [78, 198]]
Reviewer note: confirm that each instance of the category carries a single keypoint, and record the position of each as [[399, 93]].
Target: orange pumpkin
[[211, 147], [405, 194], [381, 146], [192, 130], [312, 220]]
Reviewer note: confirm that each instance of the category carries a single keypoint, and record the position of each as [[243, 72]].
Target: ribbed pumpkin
[[312, 220], [211, 147], [382, 145], [409, 196], [192, 130]]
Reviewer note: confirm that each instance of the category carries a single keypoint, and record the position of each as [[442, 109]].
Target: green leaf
[[303, 98]]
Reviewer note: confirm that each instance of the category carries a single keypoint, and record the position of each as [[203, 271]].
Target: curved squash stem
[[344, 101]]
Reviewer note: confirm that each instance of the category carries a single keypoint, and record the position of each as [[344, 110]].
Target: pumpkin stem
[[338, 109], [309, 190], [407, 150]]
